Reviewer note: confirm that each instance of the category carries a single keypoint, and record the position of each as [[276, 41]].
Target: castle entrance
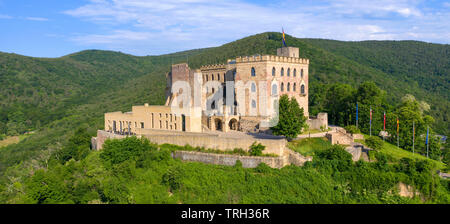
[[233, 124]]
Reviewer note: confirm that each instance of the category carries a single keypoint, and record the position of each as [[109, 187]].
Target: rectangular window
[[142, 124]]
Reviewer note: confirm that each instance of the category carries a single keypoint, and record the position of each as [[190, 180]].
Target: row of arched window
[[274, 71], [288, 88], [288, 73]]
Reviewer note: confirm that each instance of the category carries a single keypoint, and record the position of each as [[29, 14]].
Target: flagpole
[[384, 124], [370, 129], [428, 142], [356, 115], [398, 141], [414, 131]]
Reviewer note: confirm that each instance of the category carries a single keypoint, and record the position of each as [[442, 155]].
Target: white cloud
[[2, 16], [166, 26], [36, 19], [116, 36]]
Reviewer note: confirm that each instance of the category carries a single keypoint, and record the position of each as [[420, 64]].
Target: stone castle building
[[240, 95]]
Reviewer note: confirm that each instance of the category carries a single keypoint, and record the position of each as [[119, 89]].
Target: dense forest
[[52, 98]]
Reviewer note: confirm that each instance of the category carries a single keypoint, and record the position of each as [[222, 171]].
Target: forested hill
[[54, 97]]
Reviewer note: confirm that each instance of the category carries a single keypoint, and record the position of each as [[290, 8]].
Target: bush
[[172, 178], [374, 142], [352, 129], [263, 168], [256, 149], [119, 150]]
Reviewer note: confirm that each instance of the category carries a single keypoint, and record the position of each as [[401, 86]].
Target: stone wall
[[212, 141], [340, 137], [247, 161], [320, 121]]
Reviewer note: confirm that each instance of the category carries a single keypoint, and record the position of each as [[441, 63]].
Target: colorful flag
[[284, 38], [371, 114], [356, 112], [426, 140], [384, 121], [398, 127]]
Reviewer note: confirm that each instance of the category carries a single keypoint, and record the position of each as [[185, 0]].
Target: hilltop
[[56, 96]]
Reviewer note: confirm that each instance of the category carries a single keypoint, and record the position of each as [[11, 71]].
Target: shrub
[[263, 168], [256, 149], [374, 142], [352, 129], [172, 178]]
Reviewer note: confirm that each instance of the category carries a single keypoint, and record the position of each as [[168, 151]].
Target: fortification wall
[[274, 146], [247, 161]]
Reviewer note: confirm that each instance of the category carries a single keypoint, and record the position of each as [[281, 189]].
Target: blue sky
[[53, 28]]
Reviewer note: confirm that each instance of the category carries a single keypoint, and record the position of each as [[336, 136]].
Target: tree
[[408, 111], [368, 96], [290, 118], [338, 104]]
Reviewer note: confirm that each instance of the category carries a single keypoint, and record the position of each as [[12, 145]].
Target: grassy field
[[308, 146], [12, 140], [398, 153]]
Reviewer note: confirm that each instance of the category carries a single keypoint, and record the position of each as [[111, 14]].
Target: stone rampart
[[211, 141], [247, 161]]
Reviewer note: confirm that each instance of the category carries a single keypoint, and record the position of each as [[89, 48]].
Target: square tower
[[292, 52]]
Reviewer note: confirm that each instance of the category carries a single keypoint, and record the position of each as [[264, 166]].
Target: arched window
[[301, 73], [294, 87], [289, 72], [206, 77], [253, 103], [253, 71], [302, 89], [289, 86], [218, 77], [212, 77], [295, 72], [282, 72], [273, 71], [253, 87], [282, 87], [274, 89]]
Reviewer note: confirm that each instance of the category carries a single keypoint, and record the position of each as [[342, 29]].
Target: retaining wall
[[247, 161]]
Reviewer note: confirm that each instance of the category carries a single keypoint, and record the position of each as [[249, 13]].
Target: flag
[[356, 111], [426, 141], [398, 127], [284, 38], [370, 114], [384, 121]]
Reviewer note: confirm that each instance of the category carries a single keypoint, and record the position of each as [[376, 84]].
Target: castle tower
[[292, 52]]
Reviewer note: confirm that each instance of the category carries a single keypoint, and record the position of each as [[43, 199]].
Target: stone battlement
[[271, 58], [213, 67]]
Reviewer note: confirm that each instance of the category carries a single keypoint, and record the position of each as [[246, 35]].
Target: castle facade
[[241, 95]]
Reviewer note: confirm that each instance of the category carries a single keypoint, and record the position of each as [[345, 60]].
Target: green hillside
[[55, 97]]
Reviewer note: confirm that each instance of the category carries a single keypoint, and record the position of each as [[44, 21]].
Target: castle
[[241, 95]]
